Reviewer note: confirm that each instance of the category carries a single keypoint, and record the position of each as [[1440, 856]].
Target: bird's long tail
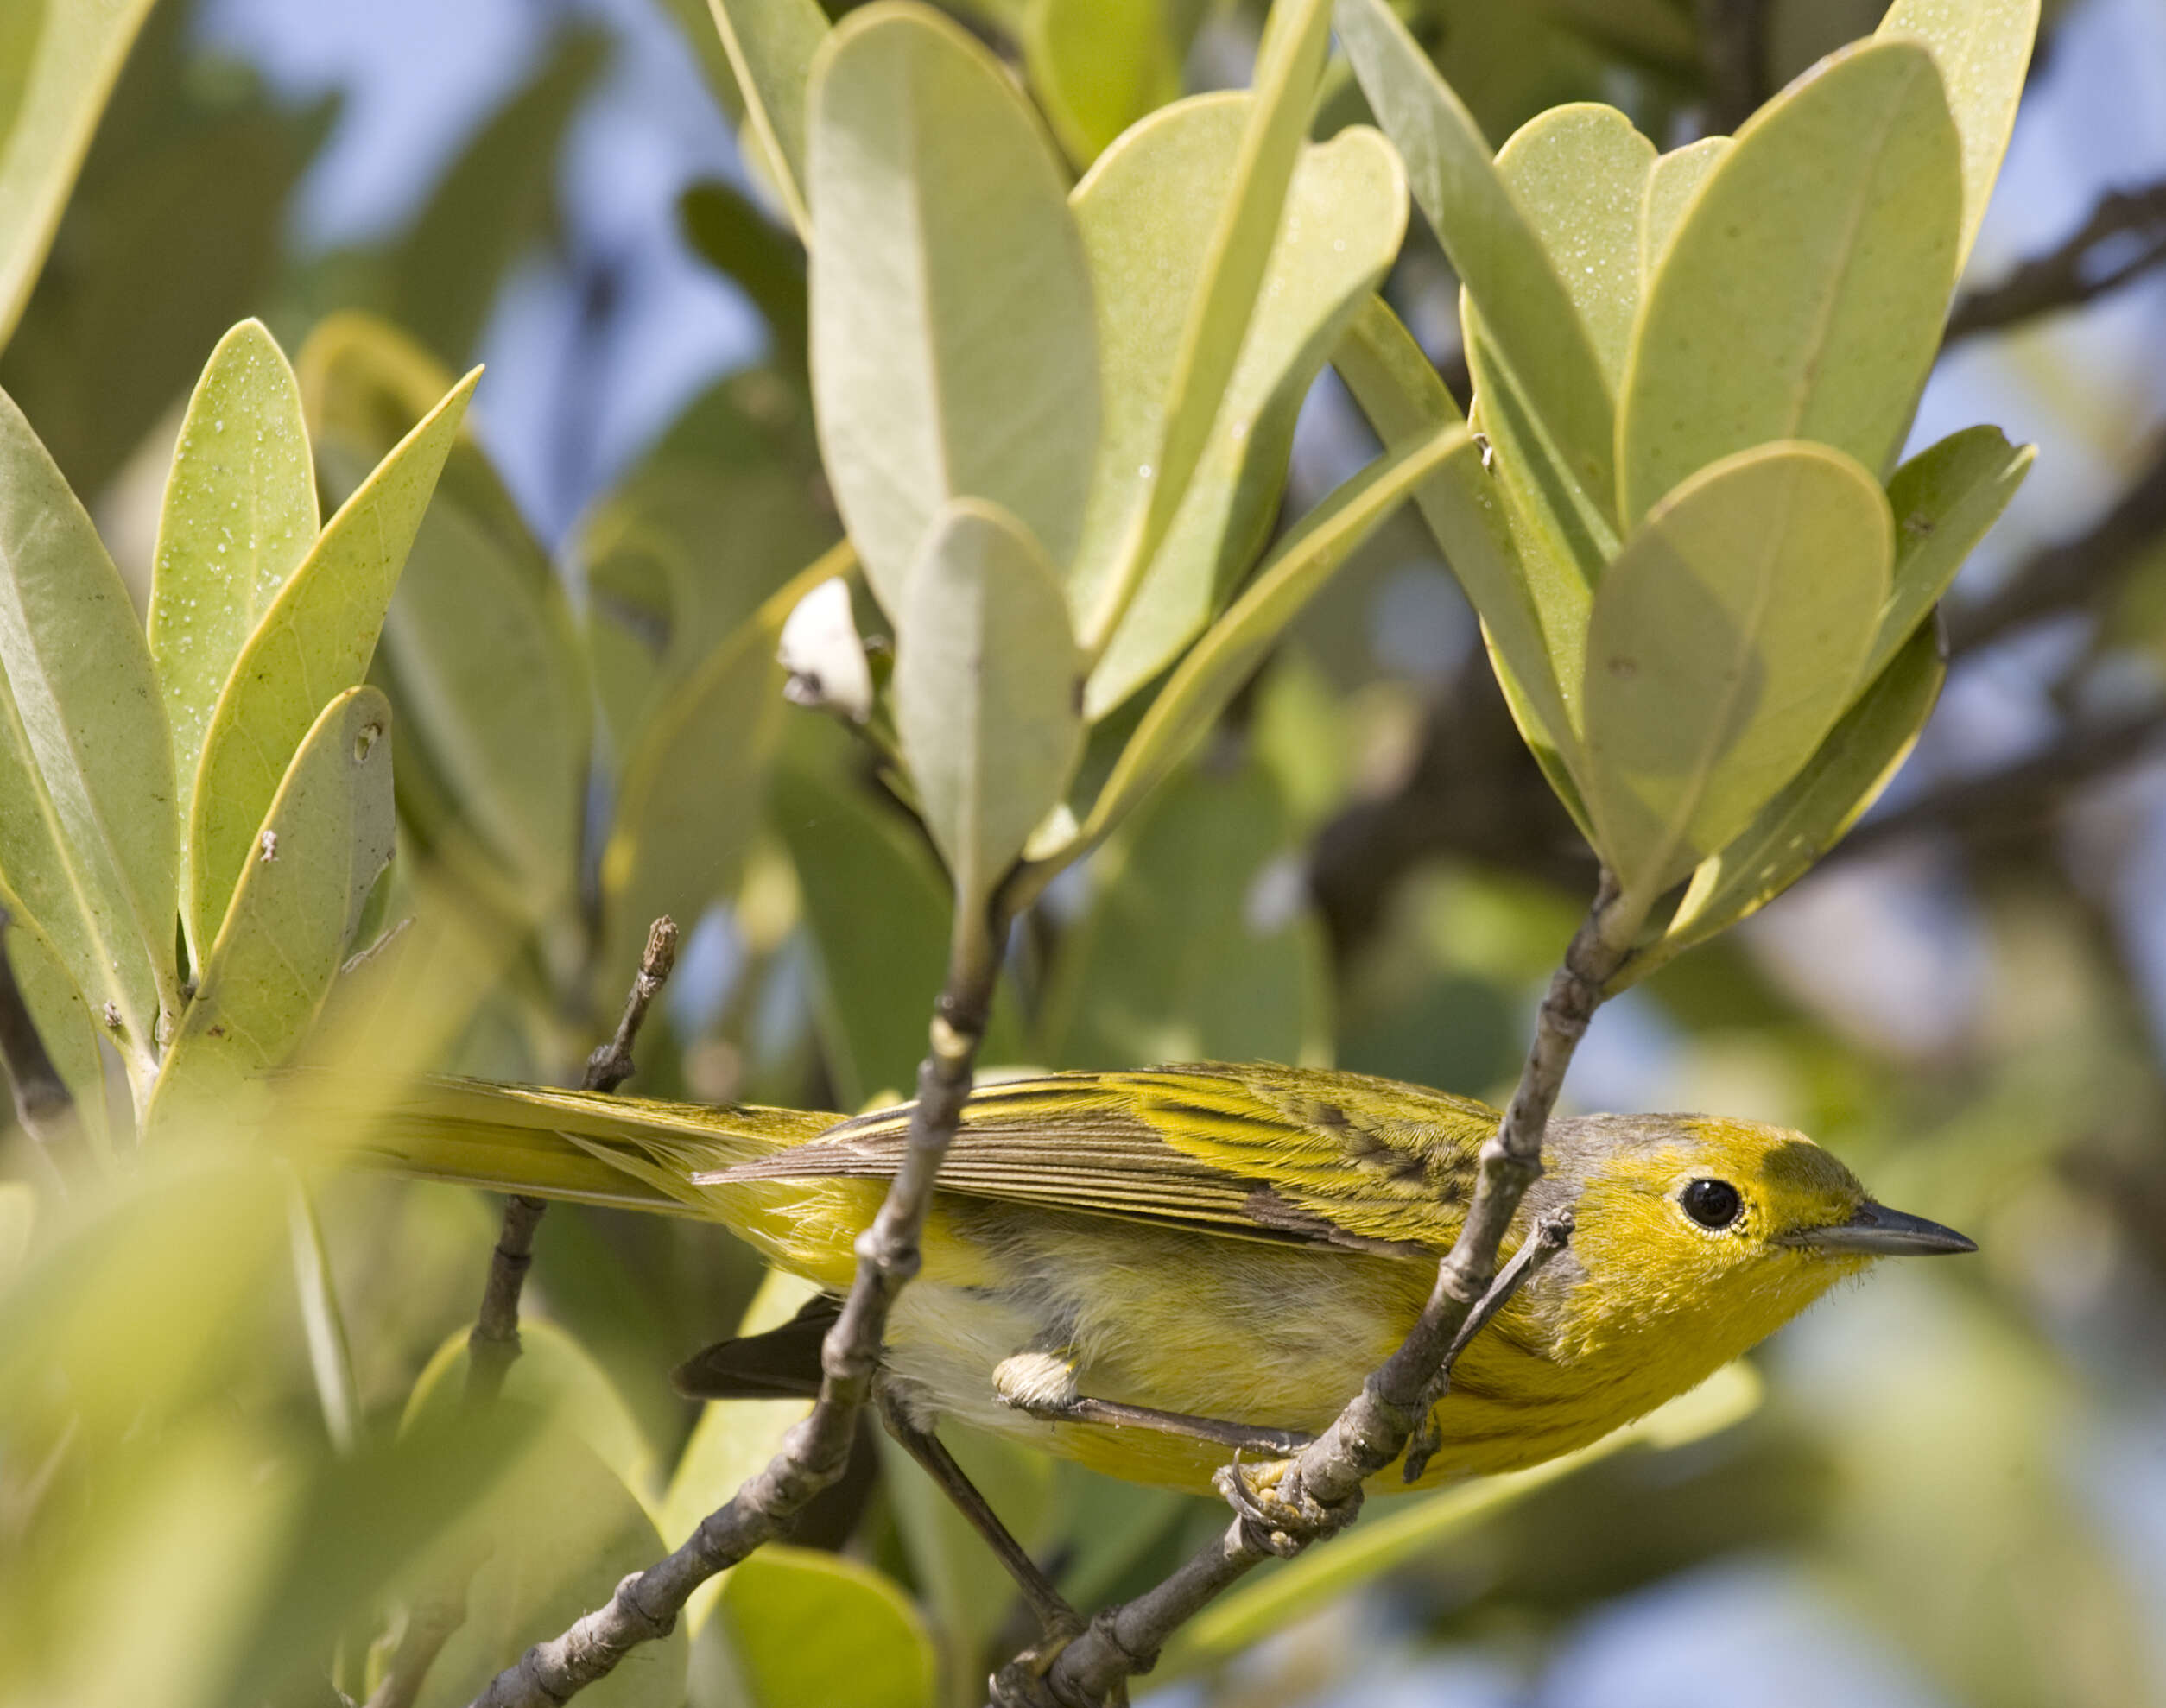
[[640, 1153]]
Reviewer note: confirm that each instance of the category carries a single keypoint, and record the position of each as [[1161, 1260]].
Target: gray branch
[[2124, 238], [492, 1345], [1285, 1508], [42, 1102], [817, 1450]]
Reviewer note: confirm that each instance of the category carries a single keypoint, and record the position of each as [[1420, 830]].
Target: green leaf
[[1214, 668], [65, 1023], [1489, 240], [811, 1629], [1946, 499], [724, 228], [314, 643], [987, 693], [693, 787], [1345, 213], [1804, 294], [1098, 65], [1671, 187], [1846, 775], [330, 1354], [1199, 945], [480, 652], [497, 201], [1983, 49], [771, 46], [57, 66], [326, 838], [1724, 642], [1172, 431], [1581, 175], [88, 833], [239, 519], [954, 350]]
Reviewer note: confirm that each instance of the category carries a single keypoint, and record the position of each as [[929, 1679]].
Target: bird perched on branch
[[1139, 1270]]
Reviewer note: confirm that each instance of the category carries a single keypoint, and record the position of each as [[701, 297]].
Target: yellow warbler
[[1211, 1252]]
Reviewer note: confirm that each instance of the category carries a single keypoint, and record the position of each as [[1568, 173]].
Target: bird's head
[[1731, 1226]]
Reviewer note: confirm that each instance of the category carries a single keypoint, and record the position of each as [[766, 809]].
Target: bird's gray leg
[[1041, 1381]]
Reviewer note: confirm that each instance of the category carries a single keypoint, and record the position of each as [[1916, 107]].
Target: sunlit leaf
[[1345, 213], [325, 840], [987, 691], [239, 517], [1857, 761], [314, 643], [88, 836], [66, 1025], [57, 66], [771, 45], [1169, 428], [1098, 65], [953, 349], [811, 1629], [1945, 499], [1802, 296], [1214, 668], [1581, 175], [1724, 642], [1983, 49], [1671, 187], [1491, 244]]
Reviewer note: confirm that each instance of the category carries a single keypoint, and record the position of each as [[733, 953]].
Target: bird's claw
[[1279, 1515]]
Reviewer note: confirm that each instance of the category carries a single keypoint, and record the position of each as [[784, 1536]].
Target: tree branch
[[42, 1102], [2124, 237], [1284, 1508], [817, 1450], [2071, 572], [492, 1345]]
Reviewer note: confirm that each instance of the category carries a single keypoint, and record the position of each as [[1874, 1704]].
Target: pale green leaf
[[1983, 49], [88, 833], [66, 1025], [771, 45], [18, 1222], [1671, 187], [1945, 499], [692, 789], [987, 691], [953, 349], [1846, 775], [480, 652], [1345, 213], [1400, 393], [1802, 296], [1724, 642], [239, 516], [1214, 668], [1141, 498], [327, 836], [323, 1322], [1199, 945], [1581, 175], [314, 643], [1098, 65], [811, 1629], [57, 60], [1489, 240]]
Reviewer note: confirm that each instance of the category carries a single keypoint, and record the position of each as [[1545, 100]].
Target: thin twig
[[2072, 573], [1288, 1507], [816, 1450], [42, 1102], [2125, 237], [492, 1345]]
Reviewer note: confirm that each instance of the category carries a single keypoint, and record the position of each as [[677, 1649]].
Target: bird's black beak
[[1878, 1231]]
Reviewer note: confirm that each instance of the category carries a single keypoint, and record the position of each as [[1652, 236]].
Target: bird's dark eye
[[1713, 1203]]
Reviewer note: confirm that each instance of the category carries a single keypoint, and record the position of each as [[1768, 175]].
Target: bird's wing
[[1259, 1152]]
